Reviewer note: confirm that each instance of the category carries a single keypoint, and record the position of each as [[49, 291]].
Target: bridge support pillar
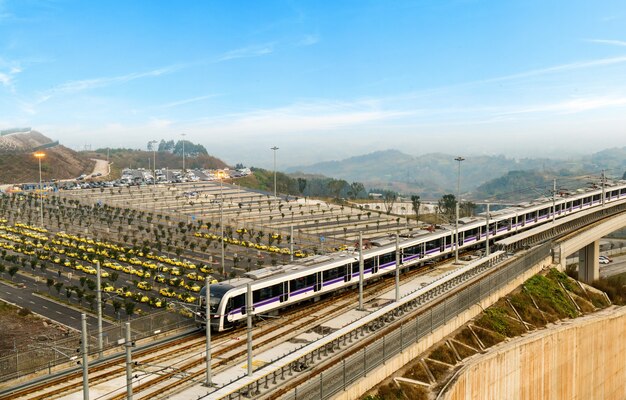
[[588, 265]]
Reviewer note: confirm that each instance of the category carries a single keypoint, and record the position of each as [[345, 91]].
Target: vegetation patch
[[498, 319], [414, 392], [527, 310], [437, 369], [541, 299], [550, 297], [417, 373], [489, 338], [463, 350], [614, 287], [389, 391], [444, 354], [465, 336]]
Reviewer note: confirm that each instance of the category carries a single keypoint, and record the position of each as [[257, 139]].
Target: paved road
[[24, 297], [618, 266]]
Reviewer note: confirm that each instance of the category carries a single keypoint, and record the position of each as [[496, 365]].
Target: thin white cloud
[[559, 68], [247, 52], [187, 101], [303, 117], [88, 84], [606, 41], [572, 106], [5, 79]]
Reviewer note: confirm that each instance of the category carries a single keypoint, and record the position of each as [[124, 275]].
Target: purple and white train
[[274, 288]]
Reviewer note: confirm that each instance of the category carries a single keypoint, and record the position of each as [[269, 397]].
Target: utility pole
[[553, 200], [487, 238], [184, 134], [458, 200], [222, 224], [603, 189], [274, 148], [250, 307], [129, 364], [360, 271], [291, 243], [99, 306], [85, 350], [397, 268], [208, 332]]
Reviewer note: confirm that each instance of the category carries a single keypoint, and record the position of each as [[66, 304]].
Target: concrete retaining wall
[[583, 358], [356, 390]]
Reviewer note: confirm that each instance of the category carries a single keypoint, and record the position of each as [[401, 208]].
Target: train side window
[[238, 301], [369, 264], [296, 284], [387, 258]]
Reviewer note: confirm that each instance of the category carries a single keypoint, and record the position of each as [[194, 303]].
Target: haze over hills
[[431, 175]]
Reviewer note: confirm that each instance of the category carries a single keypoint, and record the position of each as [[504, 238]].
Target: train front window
[[217, 292]]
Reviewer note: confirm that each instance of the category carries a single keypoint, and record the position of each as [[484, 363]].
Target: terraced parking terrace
[[247, 215]]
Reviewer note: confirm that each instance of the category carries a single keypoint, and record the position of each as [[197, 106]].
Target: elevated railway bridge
[[390, 332]]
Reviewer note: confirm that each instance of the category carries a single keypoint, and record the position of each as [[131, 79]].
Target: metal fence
[[358, 365], [48, 355]]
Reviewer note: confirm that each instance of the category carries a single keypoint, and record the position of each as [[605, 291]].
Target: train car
[[275, 288]]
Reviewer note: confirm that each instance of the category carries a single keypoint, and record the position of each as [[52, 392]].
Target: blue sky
[[322, 80]]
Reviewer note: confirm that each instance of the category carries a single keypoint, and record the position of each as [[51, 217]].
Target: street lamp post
[[458, 199], [152, 143], [222, 221], [184, 134], [39, 156], [274, 148]]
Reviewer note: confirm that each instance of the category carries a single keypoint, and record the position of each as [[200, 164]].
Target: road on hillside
[[101, 167], [618, 266]]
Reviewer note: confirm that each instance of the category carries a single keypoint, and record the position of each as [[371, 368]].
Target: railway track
[[195, 371], [191, 346]]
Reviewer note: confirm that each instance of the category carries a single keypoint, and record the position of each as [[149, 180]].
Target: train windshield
[[216, 292]]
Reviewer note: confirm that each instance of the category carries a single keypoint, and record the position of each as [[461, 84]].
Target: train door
[[348, 275], [285, 295], [318, 282]]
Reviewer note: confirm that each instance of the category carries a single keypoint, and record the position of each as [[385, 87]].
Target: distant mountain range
[[432, 175]]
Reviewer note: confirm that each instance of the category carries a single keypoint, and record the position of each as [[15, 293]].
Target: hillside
[[129, 158], [434, 174], [18, 165]]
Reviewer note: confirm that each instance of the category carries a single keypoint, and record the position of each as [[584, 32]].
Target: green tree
[[467, 209], [91, 284], [356, 188], [416, 203], [13, 270], [129, 307], [49, 283], [389, 199], [447, 206], [58, 287], [117, 305]]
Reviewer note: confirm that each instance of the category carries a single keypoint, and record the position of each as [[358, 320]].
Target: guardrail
[[356, 366]]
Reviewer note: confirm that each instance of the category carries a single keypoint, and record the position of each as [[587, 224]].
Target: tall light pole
[[152, 143], [458, 200], [184, 134], [39, 156], [221, 175], [274, 148]]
